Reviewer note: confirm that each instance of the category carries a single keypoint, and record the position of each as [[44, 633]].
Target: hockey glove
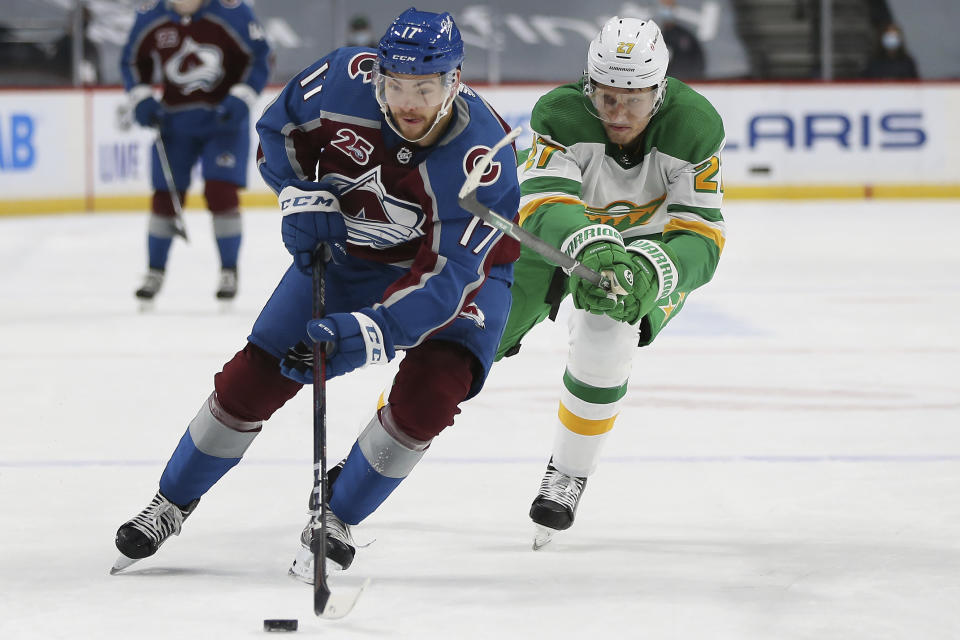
[[652, 257], [297, 364], [312, 215], [353, 340], [642, 294], [232, 112], [608, 257], [148, 112]]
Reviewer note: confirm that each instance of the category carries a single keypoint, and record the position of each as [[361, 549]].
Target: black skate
[[340, 547], [227, 289], [555, 506], [141, 537], [150, 287]]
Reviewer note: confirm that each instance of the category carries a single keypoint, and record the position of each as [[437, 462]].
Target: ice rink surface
[[787, 463]]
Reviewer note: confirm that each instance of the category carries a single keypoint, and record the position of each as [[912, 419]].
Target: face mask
[[359, 37], [891, 40]]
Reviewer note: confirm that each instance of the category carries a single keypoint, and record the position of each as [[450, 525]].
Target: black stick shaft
[[321, 590]]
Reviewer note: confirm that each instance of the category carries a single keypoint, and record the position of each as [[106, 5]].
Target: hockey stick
[[179, 227], [325, 603], [468, 200]]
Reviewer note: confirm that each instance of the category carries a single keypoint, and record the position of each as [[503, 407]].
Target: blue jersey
[[201, 57], [399, 201]]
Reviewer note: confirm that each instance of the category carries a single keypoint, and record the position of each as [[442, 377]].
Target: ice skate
[[227, 288], [555, 506], [340, 548], [149, 289], [141, 537]]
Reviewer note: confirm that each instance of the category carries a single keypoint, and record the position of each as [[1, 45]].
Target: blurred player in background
[[623, 175], [367, 150], [213, 59]]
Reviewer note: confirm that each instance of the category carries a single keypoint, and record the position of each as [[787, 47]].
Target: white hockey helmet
[[628, 53]]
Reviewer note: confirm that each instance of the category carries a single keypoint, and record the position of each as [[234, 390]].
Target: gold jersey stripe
[[583, 426], [699, 228], [527, 210]]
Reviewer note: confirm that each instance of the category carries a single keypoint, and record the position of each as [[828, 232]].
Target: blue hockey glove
[[352, 340], [231, 112], [312, 215], [148, 112]]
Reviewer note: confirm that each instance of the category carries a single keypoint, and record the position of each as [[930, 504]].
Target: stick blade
[[335, 605]]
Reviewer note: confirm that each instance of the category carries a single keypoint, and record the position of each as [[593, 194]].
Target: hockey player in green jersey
[[624, 149]]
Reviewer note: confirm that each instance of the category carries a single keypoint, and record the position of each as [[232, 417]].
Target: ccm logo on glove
[[312, 201]]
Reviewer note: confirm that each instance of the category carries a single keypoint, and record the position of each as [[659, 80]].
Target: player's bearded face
[[414, 101], [624, 113]]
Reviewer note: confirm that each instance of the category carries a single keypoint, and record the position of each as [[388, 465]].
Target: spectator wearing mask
[[891, 61], [686, 54]]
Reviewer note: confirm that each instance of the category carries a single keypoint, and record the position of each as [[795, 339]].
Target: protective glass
[[615, 105], [414, 93]]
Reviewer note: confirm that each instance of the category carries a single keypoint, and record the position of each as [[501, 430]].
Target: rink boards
[[66, 150]]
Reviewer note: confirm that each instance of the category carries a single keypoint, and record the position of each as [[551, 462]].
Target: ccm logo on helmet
[[471, 159]]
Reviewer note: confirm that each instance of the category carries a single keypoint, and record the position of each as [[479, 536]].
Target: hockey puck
[[279, 625]]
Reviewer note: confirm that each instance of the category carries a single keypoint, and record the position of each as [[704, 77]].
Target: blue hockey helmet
[[421, 43]]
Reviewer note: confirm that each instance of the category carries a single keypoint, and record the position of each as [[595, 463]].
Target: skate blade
[[225, 305], [145, 306], [342, 601], [542, 536], [122, 563], [302, 566]]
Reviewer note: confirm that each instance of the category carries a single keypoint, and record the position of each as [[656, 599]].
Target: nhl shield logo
[[404, 155]]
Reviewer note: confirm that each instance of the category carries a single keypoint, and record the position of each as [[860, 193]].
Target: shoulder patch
[[148, 6], [362, 65], [472, 157]]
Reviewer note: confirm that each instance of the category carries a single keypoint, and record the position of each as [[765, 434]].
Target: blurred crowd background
[[78, 42]]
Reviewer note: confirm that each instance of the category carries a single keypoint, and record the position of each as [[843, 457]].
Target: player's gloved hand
[[312, 215], [148, 112], [608, 257], [352, 340], [655, 276], [642, 295], [231, 112]]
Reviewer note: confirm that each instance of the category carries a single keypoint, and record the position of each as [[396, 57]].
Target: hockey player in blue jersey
[[213, 60], [367, 150]]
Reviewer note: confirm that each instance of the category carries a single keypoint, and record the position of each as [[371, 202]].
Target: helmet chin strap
[[444, 110]]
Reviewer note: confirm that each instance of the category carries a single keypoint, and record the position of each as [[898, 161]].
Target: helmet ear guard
[[628, 53]]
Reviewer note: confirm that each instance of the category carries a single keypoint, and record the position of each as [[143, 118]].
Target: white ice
[[787, 463]]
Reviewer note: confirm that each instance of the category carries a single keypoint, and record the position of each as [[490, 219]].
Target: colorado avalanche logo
[[195, 67], [362, 65], [375, 218], [475, 313], [471, 159]]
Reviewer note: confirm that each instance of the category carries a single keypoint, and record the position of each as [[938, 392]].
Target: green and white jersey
[[667, 188]]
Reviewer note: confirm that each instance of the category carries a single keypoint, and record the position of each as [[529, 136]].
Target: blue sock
[[190, 472], [229, 247], [158, 249], [208, 449], [359, 488]]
